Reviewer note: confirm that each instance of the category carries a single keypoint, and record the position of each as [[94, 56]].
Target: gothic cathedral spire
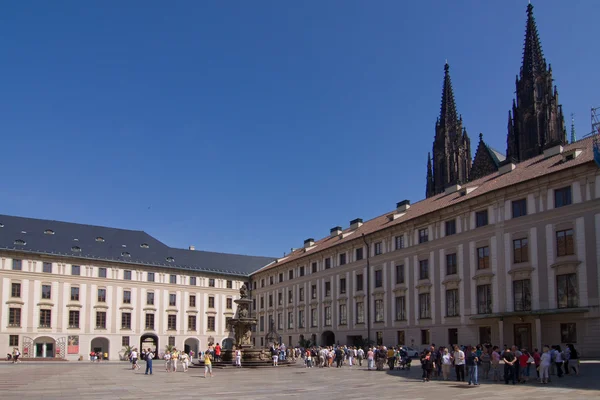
[[537, 120], [451, 162]]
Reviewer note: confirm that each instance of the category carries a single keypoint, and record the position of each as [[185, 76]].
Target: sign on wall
[[73, 347]]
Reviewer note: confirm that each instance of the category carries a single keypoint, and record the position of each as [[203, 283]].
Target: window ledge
[[149, 308], [15, 300], [566, 261], [46, 302], [73, 304], [126, 307], [101, 306]]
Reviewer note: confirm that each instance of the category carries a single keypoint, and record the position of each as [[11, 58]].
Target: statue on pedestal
[[244, 291]]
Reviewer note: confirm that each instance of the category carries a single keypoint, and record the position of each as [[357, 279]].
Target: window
[[229, 284], [279, 298], [127, 276], [519, 208], [270, 280], [192, 301], [100, 319], [484, 299], [562, 197], [359, 254], [327, 315], [125, 320], [568, 333], [15, 290], [301, 294], [150, 298], [401, 337], [47, 268], [399, 241], [564, 243], [279, 321], [300, 318], [291, 274], [566, 290], [125, 341], [452, 309], [192, 323], [75, 270], [211, 282], [210, 323], [171, 340], [313, 318], [262, 283], [451, 268], [360, 312], [342, 285], [378, 248], [379, 338], [171, 322], [73, 319], [424, 336], [522, 295], [13, 340], [14, 317], [74, 293], [271, 299], [253, 285], [313, 292], [327, 263], [126, 296], [314, 267], [359, 282], [342, 258], [229, 303], [327, 289], [211, 302], [400, 308], [423, 269], [520, 251], [290, 320], [378, 278], [17, 265], [399, 274], [101, 295], [172, 299], [101, 272], [481, 218], [302, 271], [290, 297], [150, 321], [173, 279], [343, 315], [424, 306], [379, 311], [423, 235], [192, 281], [483, 257], [150, 276], [280, 278], [450, 227]]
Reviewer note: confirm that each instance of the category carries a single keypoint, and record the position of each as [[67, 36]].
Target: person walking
[[459, 364], [545, 361], [446, 364], [207, 364], [149, 357], [134, 359], [427, 365]]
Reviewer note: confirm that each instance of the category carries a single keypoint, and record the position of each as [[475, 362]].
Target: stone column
[[44, 350], [538, 333], [500, 333]]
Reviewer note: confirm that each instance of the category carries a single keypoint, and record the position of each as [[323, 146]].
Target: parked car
[[411, 352]]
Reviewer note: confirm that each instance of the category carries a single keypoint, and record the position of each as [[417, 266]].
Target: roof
[[497, 156], [39, 236], [527, 170]]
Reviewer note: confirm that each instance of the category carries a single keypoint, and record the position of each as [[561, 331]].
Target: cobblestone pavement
[[113, 380]]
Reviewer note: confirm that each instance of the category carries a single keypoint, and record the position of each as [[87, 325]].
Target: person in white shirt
[[238, 358], [446, 364], [134, 359], [360, 355], [185, 359], [459, 364], [167, 358], [545, 361]]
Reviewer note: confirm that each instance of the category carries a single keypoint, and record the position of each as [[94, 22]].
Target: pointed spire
[[429, 188], [573, 136], [533, 58], [448, 112]]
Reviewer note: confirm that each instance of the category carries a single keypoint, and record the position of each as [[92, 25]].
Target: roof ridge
[[73, 223]]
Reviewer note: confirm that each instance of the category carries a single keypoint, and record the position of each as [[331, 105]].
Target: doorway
[[452, 336], [327, 338], [44, 347], [523, 336], [149, 341], [485, 335]]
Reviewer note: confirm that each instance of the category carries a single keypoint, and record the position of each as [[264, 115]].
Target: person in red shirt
[[217, 352], [524, 366], [537, 359]]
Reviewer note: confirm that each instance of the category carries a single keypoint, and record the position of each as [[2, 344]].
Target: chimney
[[192, 248], [310, 242], [506, 168], [402, 206], [356, 223], [335, 231]]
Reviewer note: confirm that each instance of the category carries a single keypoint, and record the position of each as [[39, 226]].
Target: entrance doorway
[[485, 334], [149, 341], [523, 336], [192, 344], [327, 338], [44, 347], [452, 337], [100, 345]]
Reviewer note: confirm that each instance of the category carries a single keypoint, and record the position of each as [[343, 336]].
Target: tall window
[[17, 265], [47, 268], [301, 319], [564, 243], [172, 299], [100, 319], [74, 293], [126, 297], [127, 275], [211, 282], [424, 269], [342, 285], [327, 314], [450, 227], [451, 265], [400, 308], [75, 270], [483, 257], [15, 290], [313, 292], [327, 263], [270, 280], [359, 254], [126, 320], [520, 251], [313, 318], [271, 299], [124, 341], [481, 218], [172, 279], [425, 336], [192, 300], [46, 292], [229, 284], [424, 306], [522, 295], [379, 313], [172, 322], [562, 197], [359, 282], [14, 317], [484, 299], [291, 274], [568, 332], [101, 295], [423, 235], [301, 294], [192, 323], [399, 241], [399, 274], [342, 258], [452, 308], [73, 319], [314, 267], [211, 302], [150, 298], [327, 289], [290, 297], [378, 278], [101, 272], [150, 276], [519, 208], [290, 320], [302, 270], [229, 303], [45, 318], [279, 321], [566, 291], [378, 248], [210, 324], [192, 281], [280, 278], [343, 315], [360, 312], [150, 321]]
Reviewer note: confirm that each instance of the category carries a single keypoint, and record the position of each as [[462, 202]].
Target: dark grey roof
[[497, 156], [91, 242]]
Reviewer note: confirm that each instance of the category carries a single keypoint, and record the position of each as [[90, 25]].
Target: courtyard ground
[[114, 380]]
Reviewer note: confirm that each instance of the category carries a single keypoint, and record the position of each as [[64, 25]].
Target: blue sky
[[249, 126]]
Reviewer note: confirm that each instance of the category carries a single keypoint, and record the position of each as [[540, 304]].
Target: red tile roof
[[524, 171]]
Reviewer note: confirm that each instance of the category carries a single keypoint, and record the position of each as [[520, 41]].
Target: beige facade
[[511, 265], [52, 306]]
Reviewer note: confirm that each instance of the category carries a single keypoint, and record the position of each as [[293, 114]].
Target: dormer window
[[170, 259], [20, 242], [1, 225], [100, 239], [144, 246], [125, 254], [48, 232], [76, 249], [76, 240]]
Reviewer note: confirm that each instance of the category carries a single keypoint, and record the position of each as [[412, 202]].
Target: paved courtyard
[[79, 380]]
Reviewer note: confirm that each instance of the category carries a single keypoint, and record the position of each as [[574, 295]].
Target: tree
[[305, 343], [127, 351], [169, 348]]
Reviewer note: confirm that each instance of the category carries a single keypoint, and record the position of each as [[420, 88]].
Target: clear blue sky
[[249, 126]]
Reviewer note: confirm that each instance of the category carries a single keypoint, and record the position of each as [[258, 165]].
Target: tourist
[[174, 359], [167, 358], [525, 361], [486, 363], [446, 364], [573, 359], [495, 364], [134, 359], [350, 355], [207, 364], [370, 359], [238, 357], [427, 365], [149, 357], [15, 355], [459, 364], [558, 361], [274, 355], [545, 362], [360, 354], [471, 362], [509, 366], [308, 356], [536, 360], [217, 353], [185, 359]]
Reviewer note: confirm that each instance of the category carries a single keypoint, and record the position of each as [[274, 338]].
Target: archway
[[227, 344], [44, 347], [149, 341], [100, 345], [192, 344], [327, 338]]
